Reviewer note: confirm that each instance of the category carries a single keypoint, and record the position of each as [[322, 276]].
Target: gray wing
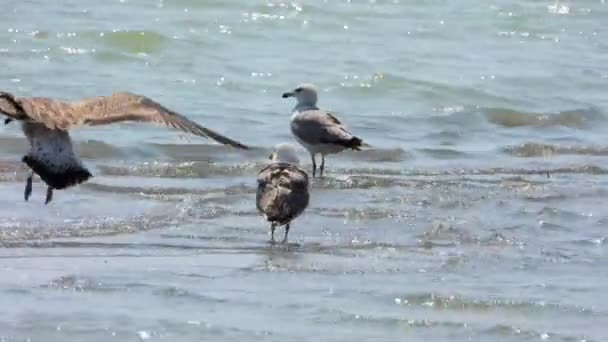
[[319, 127], [102, 110], [282, 192]]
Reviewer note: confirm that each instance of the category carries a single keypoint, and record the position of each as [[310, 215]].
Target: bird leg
[[49, 195], [286, 233], [7, 121], [322, 164], [314, 165], [28, 186], [273, 226]]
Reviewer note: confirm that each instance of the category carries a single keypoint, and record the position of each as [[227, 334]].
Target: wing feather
[[282, 192], [118, 107], [132, 107], [319, 127]]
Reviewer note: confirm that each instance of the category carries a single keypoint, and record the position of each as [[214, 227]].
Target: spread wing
[[118, 107]]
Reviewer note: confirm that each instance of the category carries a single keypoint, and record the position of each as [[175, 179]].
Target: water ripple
[[579, 118]]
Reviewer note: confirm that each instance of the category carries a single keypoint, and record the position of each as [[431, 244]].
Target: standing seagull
[[282, 193], [46, 122], [317, 130]]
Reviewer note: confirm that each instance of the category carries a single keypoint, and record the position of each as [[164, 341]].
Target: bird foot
[[28, 187], [284, 242], [49, 195]]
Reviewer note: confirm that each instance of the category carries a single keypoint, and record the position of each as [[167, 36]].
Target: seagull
[[46, 123], [317, 130], [282, 193]]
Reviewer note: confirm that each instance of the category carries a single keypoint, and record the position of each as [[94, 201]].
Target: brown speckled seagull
[[46, 123], [282, 193]]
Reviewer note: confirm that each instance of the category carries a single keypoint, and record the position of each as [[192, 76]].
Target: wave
[[379, 83], [181, 170], [443, 153], [12, 232], [83, 284], [578, 118], [105, 46], [455, 327], [113, 57], [206, 152], [163, 193], [366, 319], [79, 283], [181, 178], [381, 155], [129, 41], [451, 302], [198, 161], [502, 330], [532, 149], [195, 4], [573, 169], [467, 325]]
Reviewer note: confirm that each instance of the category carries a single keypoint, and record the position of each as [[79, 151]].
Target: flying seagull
[[46, 122], [282, 193], [317, 130]]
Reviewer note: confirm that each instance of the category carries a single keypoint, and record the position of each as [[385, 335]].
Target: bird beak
[[288, 94]]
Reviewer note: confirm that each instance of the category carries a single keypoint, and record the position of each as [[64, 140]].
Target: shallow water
[[448, 229]]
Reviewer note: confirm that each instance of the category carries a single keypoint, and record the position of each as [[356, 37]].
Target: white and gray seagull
[[282, 193], [46, 122], [317, 130]]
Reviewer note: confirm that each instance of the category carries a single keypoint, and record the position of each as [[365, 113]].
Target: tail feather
[[353, 143]]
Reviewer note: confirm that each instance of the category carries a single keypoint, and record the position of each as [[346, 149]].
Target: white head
[[285, 153], [305, 93]]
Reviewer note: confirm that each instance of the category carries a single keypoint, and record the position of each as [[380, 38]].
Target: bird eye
[[270, 157], [298, 90]]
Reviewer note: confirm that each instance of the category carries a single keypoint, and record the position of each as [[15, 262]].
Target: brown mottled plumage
[[282, 193], [46, 123]]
